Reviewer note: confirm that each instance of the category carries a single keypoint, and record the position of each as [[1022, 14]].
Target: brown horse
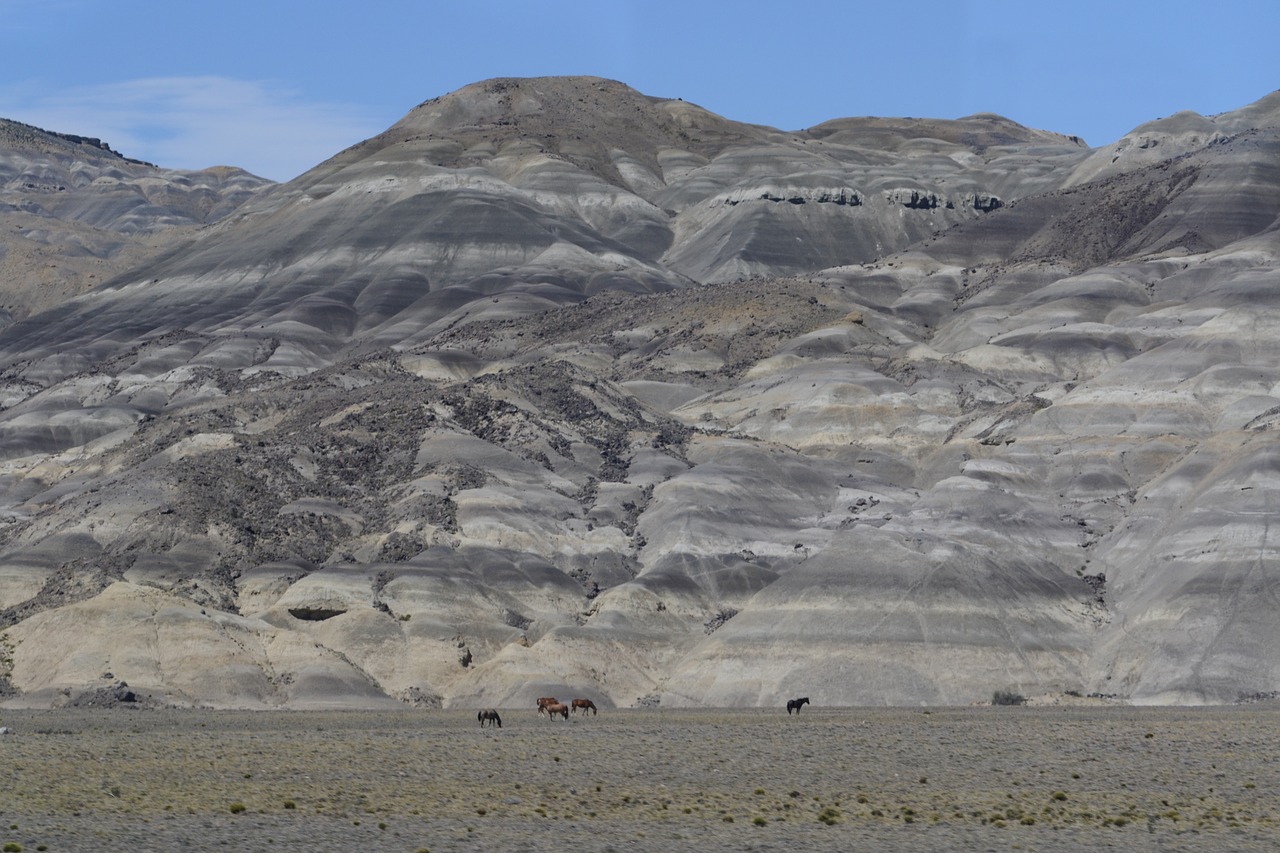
[[490, 716], [796, 704], [585, 705], [557, 708], [545, 701]]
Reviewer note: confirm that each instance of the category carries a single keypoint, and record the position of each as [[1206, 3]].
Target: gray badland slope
[[75, 214], [557, 388]]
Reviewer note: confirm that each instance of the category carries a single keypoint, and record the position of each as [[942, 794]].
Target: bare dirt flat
[[990, 778]]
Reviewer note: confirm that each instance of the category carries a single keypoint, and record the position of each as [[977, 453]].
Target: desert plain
[[1047, 778]]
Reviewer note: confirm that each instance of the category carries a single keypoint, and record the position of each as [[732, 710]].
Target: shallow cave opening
[[314, 614]]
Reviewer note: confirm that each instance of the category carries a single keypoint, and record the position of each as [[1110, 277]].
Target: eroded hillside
[[75, 214], [558, 388]]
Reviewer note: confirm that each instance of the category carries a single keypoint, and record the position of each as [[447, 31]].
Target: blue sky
[[277, 86]]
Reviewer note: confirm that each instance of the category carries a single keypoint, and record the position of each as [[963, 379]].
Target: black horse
[[490, 716], [796, 704]]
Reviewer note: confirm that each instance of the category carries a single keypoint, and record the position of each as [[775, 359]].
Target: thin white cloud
[[196, 122]]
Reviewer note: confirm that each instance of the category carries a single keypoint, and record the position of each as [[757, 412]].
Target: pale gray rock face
[[542, 192], [75, 214], [558, 389]]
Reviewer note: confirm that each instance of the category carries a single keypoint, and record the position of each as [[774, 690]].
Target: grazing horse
[[557, 708], [585, 705], [490, 716], [796, 704], [545, 701]]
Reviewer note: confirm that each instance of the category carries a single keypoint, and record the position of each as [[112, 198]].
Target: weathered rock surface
[[75, 214], [557, 389]]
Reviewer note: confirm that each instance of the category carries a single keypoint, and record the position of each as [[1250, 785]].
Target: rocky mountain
[[557, 388], [75, 214]]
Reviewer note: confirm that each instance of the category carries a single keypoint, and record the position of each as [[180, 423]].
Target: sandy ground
[[1019, 778]]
